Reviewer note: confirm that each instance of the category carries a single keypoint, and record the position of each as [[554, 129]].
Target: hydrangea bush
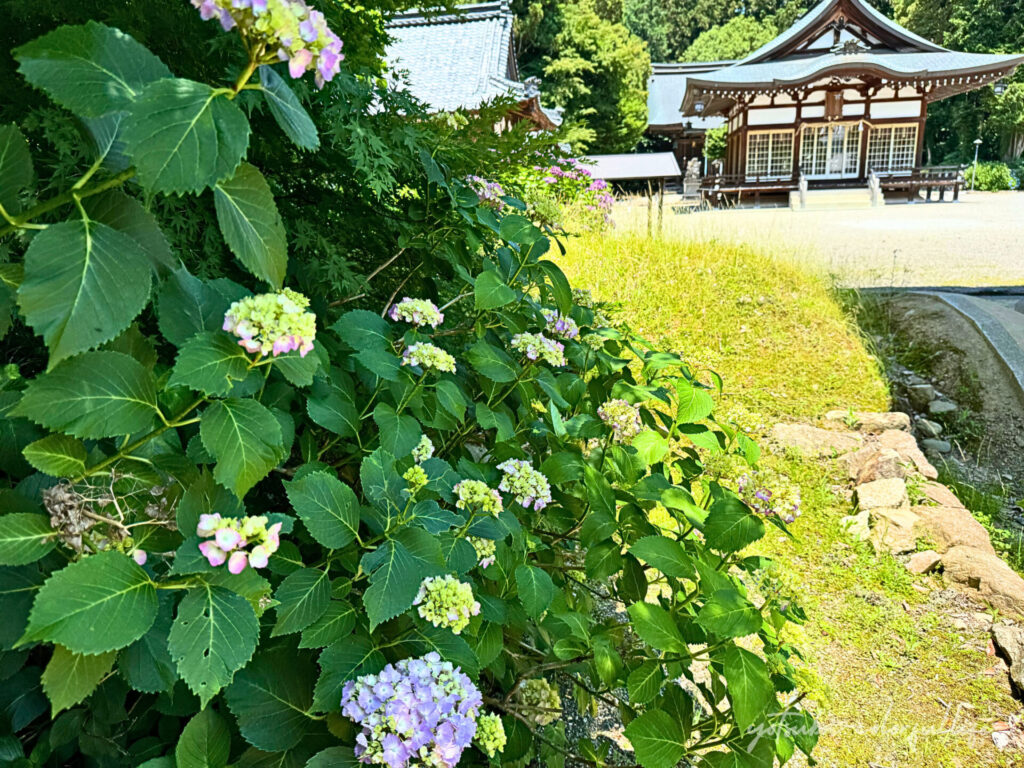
[[562, 192], [241, 525]]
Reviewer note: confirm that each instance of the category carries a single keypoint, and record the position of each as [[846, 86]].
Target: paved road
[[977, 241]]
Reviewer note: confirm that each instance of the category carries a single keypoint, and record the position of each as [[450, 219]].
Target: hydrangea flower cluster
[[490, 734], [288, 29], [228, 537], [783, 502], [539, 701], [416, 477], [424, 450], [445, 601], [527, 484], [486, 550], [537, 346], [624, 419], [476, 494], [272, 323], [418, 312], [427, 356], [560, 325], [488, 192], [415, 712]]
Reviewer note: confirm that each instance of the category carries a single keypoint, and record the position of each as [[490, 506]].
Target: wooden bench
[[716, 189], [937, 178]]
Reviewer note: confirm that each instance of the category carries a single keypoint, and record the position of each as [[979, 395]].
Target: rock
[[995, 581], [883, 464], [906, 446], [929, 428], [923, 562], [920, 395], [932, 445], [1009, 644], [948, 527], [858, 526], [856, 460], [940, 407], [893, 530], [890, 493], [870, 422], [1001, 739], [1019, 306], [814, 441], [941, 495], [914, 379]]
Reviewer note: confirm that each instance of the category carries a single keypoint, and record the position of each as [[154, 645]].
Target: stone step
[[831, 199]]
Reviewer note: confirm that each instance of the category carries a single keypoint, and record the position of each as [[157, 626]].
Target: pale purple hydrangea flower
[[529, 486], [623, 418], [489, 193], [783, 501], [537, 346], [560, 325]]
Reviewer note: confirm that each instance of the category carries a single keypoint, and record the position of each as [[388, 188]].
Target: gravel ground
[[977, 241]]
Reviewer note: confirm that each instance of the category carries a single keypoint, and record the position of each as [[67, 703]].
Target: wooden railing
[[936, 178]]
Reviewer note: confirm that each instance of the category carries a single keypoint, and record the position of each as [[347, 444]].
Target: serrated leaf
[[491, 292], [91, 69], [341, 662], [331, 405], [213, 636], [650, 446], [251, 225], [731, 526], [210, 362], [126, 214], [15, 167], [519, 229], [288, 111], [57, 455], [749, 686], [381, 484], [70, 677], [184, 136], [25, 537], [492, 363], [692, 403], [334, 757], [302, 598], [97, 604], [98, 394], [658, 740], [84, 283], [666, 555], [328, 508], [644, 683], [728, 614], [244, 438], [186, 305], [337, 622], [146, 665], [399, 432], [536, 589], [656, 627], [395, 579], [205, 742], [270, 699]]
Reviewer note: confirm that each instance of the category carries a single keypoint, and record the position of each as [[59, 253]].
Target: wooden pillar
[[650, 203], [661, 201], [865, 137]]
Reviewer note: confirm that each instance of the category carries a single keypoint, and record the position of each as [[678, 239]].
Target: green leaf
[[302, 598], [245, 439], [98, 394], [334, 757], [332, 407], [519, 229], [146, 665], [205, 742], [731, 526], [491, 291], [603, 560], [656, 627], [560, 288], [337, 623], [251, 225], [658, 740], [728, 614], [650, 446], [399, 433], [288, 111], [749, 686], [91, 69], [270, 698], [186, 305], [84, 283], [536, 589], [341, 662], [184, 136], [126, 214], [492, 363], [395, 579], [98, 604], [210, 362], [213, 636], [644, 683], [15, 167], [692, 403], [57, 455], [599, 491], [666, 555], [328, 508], [70, 677], [382, 485]]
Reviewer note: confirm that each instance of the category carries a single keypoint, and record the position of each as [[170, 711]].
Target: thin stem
[[20, 222]]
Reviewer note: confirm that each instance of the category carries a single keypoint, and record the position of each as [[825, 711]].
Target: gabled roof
[[459, 60], [623, 167], [665, 88], [845, 38]]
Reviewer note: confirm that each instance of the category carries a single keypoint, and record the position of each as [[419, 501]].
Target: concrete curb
[[991, 330]]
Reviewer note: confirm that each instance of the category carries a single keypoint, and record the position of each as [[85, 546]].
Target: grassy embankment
[[893, 681]]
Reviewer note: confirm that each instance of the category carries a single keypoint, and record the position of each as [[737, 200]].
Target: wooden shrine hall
[[839, 99]]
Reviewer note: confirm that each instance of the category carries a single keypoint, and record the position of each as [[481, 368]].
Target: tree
[[716, 142], [732, 40], [597, 71]]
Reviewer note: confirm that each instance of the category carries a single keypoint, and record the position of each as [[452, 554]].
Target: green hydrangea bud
[[485, 550], [423, 450], [539, 701], [477, 495], [490, 734], [445, 601], [416, 477]]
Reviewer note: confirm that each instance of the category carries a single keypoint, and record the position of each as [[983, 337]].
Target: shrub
[[239, 523], [992, 177], [561, 192], [716, 142]]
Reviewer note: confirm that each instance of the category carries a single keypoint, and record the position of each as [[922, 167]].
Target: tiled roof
[[651, 165], [665, 91], [456, 60]]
